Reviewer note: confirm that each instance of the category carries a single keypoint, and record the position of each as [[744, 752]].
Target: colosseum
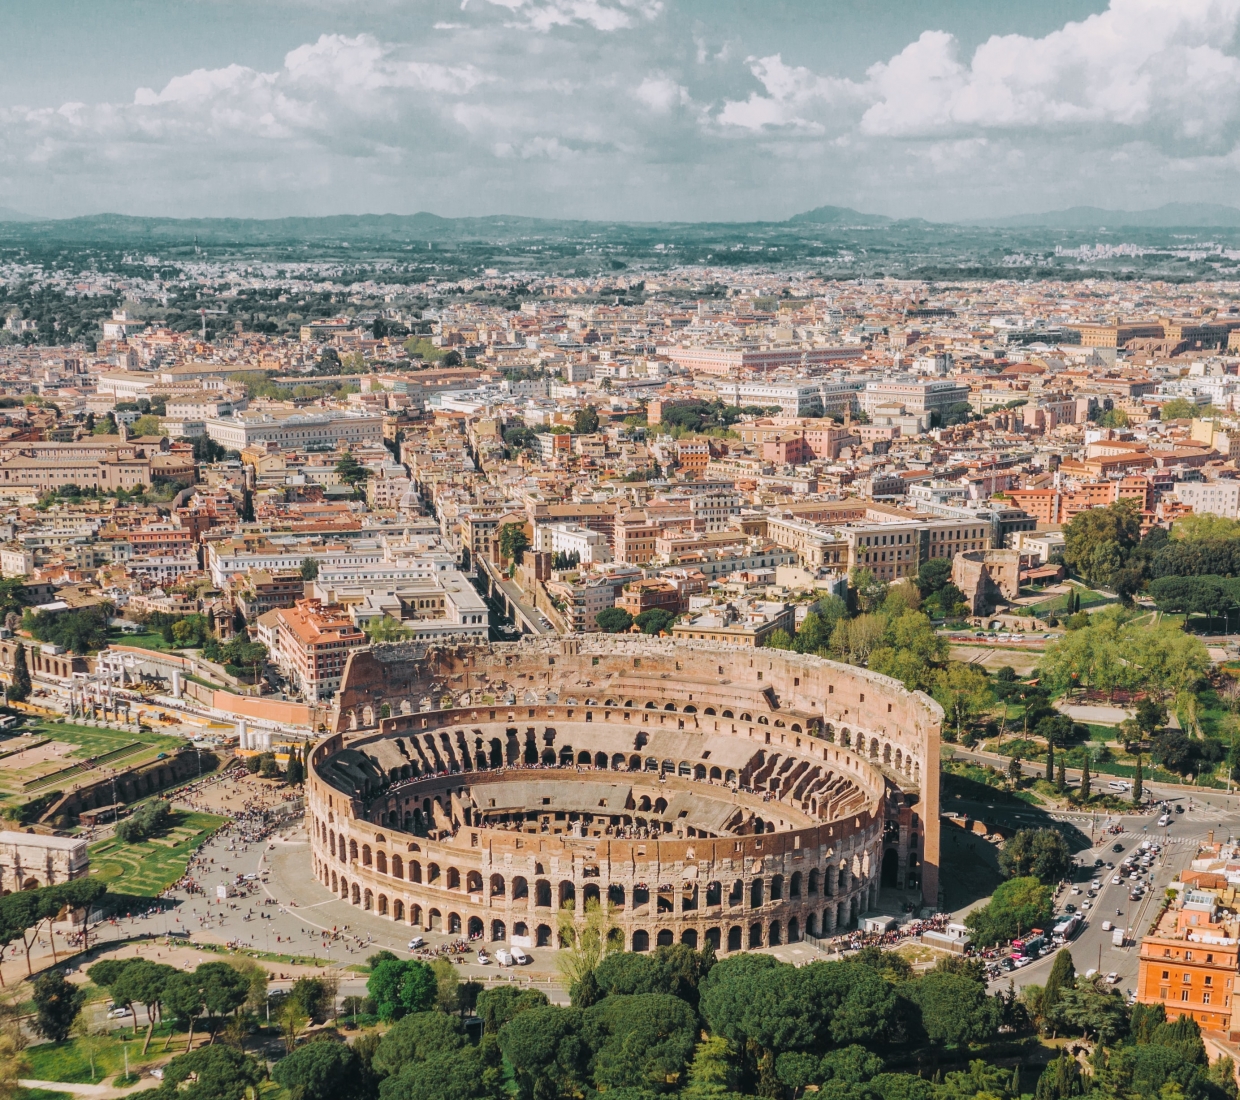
[[709, 794]]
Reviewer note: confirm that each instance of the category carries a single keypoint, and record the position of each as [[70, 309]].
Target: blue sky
[[636, 109]]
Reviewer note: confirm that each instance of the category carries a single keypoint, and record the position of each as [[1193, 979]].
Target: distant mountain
[[1172, 215], [838, 215], [8, 214]]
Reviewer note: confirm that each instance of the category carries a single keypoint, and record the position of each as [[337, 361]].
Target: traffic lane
[[1093, 947]]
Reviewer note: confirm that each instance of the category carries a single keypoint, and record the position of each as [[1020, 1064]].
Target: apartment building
[[263, 590], [1216, 498], [745, 622], [635, 538], [920, 397], [1189, 964], [431, 607], [732, 360], [296, 429], [312, 643]]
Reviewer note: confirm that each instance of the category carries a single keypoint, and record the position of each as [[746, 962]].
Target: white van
[[1116, 785], [504, 957], [519, 957]]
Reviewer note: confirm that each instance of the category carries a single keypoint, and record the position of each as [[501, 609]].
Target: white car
[[118, 1012], [483, 958], [416, 942], [1076, 889], [1164, 821], [1112, 978], [1116, 880]]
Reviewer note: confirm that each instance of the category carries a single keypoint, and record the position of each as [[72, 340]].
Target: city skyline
[[618, 109]]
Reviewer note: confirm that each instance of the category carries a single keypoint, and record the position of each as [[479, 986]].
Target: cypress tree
[[1061, 777], [1085, 779], [1137, 789], [1050, 760], [19, 690], [1062, 976]]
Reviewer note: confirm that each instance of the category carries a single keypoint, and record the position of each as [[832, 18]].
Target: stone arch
[[356, 895], [498, 931], [381, 862], [365, 855], [497, 886], [473, 882], [398, 910], [398, 867], [735, 942], [383, 905], [641, 940]]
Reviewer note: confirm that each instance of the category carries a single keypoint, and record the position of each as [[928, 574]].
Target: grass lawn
[[70, 1061], [148, 868], [1056, 605], [145, 640], [41, 1094]]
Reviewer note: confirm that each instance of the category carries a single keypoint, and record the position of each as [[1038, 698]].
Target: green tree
[[585, 421], [1042, 853], [1113, 418], [613, 620], [323, 1070], [963, 692], [778, 639], [210, 1073], [914, 652], [1138, 787], [933, 575], [955, 1009], [417, 1037], [56, 1005], [654, 620], [547, 1052], [224, 990], [351, 472], [645, 1040], [1085, 779], [400, 987], [19, 689], [868, 590], [309, 569], [499, 1005], [146, 426], [1062, 977], [1097, 540], [1016, 906], [586, 943], [387, 629], [513, 542], [143, 982]]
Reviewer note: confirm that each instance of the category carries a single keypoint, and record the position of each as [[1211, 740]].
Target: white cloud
[[612, 108], [602, 15], [661, 94]]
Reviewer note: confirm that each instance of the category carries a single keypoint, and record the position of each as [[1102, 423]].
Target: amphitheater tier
[[708, 794]]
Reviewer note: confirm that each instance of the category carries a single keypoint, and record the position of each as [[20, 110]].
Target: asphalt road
[[1092, 947]]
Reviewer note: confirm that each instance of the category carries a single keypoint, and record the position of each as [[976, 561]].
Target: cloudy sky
[[636, 109]]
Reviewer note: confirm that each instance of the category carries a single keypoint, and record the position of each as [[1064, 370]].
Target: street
[[1212, 812]]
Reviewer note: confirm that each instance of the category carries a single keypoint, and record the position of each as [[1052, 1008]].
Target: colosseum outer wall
[[818, 868]]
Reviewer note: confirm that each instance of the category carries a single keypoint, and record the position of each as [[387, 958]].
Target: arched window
[[398, 867]]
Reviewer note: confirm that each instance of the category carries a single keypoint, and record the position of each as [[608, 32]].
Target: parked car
[[416, 942]]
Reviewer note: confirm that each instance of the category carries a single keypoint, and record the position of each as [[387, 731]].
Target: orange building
[[1191, 962], [312, 645]]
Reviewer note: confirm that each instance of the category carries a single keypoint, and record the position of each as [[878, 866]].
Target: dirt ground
[[1023, 661]]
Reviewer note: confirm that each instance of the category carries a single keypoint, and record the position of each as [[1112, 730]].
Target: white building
[[297, 430], [1216, 498], [591, 547]]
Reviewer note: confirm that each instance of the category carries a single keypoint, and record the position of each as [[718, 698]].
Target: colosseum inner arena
[[709, 794]]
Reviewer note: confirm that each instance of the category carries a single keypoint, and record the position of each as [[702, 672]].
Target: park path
[[78, 1088]]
